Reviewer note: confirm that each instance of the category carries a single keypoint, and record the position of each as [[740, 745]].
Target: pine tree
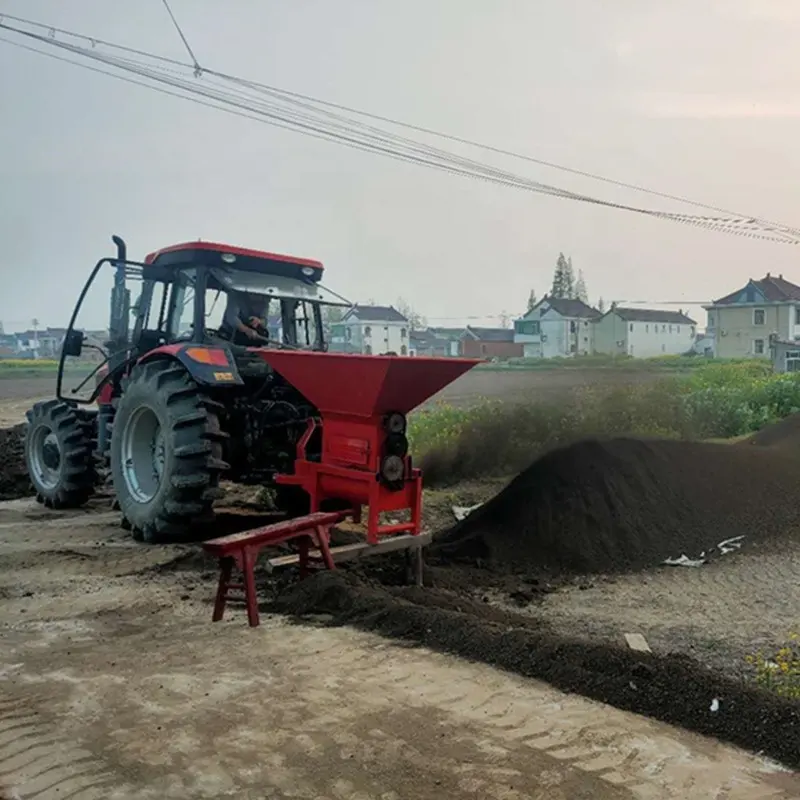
[[580, 288], [531, 300], [561, 281], [601, 306], [569, 280]]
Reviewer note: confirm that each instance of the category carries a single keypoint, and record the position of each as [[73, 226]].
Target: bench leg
[[226, 567], [323, 541], [250, 597]]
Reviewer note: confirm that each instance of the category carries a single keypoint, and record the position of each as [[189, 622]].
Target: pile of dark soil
[[626, 504], [14, 481], [671, 688], [784, 434]]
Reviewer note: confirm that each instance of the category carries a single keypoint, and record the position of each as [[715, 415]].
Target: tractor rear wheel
[[59, 454], [166, 452]]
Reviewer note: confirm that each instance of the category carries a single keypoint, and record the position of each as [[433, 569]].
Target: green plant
[[779, 672]]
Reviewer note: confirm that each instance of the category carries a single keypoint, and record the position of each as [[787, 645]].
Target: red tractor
[[220, 370]]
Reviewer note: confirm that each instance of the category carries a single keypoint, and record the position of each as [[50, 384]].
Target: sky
[[696, 98]]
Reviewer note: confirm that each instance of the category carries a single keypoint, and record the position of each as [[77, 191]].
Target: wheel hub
[[45, 457], [143, 455]]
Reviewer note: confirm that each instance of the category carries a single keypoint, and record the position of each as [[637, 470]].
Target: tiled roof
[[775, 290], [491, 334], [653, 315], [568, 307], [375, 314]]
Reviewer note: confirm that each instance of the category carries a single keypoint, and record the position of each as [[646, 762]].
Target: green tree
[[561, 282], [569, 279], [601, 306], [531, 300], [580, 288]]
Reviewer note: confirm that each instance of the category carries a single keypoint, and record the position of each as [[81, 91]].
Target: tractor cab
[[194, 293], [215, 289]]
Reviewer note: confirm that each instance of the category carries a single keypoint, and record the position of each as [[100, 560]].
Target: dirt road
[[117, 685]]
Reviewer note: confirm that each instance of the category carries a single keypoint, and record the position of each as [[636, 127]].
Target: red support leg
[[226, 567], [248, 569], [323, 541]]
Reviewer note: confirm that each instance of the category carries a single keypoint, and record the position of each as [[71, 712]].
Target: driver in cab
[[244, 319]]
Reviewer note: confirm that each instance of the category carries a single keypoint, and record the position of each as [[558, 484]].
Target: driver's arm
[[233, 318]]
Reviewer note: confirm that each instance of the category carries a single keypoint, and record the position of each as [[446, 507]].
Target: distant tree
[[561, 282], [580, 288], [601, 306], [569, 279], [415, 320], [531, 300], [505, 320]]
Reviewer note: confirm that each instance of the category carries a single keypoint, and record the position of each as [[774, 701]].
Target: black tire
[[185, 445], [59, 454]]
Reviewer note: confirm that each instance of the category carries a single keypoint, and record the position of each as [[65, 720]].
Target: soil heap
[[14, 481], [784, 434], [626, 504]]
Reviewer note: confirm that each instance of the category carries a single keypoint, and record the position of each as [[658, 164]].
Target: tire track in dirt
[[35, 764]]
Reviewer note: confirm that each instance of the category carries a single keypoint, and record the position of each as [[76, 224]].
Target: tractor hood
[[365, 386]]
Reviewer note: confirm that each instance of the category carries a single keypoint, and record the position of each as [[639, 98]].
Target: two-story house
[[556, 327], [743, 321], [371, 330], [644, 333]]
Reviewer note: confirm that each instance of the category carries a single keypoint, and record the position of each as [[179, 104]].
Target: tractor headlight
[[395, 423], [393, 469]]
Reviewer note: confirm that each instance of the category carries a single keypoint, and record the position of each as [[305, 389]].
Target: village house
[[743, 321], [643, 333], [371, 330], [442, 342], [489, 343], [556, 327]]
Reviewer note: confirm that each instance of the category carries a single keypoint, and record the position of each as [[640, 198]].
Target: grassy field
[[712, 401], [660, 363]]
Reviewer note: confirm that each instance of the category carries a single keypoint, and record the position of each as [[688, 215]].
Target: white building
[[371, 330], [644, 333], [556, 328]]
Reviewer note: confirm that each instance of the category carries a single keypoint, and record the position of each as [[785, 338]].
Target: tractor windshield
[[288, 311]]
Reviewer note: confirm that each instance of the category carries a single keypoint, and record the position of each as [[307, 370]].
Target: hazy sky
[[692, 97]]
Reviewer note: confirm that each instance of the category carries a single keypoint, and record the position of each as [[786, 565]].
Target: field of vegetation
[[712, 400]]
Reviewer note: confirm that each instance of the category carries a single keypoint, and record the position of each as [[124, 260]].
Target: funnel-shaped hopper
[[365, 386]]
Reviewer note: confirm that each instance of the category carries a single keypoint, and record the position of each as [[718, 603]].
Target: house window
[[403, 350], [670, 328], [348, 334], [483, 349], [647, 329], [573, 326], [758, 347], [525, 327], [368, 331], [402, 333], [631, 328], [797, 315], [792, 361], [663, 330], [711, 319], [758, 316], [368, 349], [678, 329]]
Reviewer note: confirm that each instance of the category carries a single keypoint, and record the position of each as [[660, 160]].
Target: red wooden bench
[[242, 549]]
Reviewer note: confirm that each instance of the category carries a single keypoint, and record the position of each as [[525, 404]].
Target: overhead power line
[[315, 118]]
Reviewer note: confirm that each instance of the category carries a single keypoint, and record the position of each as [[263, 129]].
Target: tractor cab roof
[[215, 254]]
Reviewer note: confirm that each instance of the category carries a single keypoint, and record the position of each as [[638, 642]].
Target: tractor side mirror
[[73, 343]]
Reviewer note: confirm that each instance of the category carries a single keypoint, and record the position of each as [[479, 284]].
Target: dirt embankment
[[623, 504], [14, 481]]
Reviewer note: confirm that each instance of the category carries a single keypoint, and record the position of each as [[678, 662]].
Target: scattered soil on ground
[[672, 688], [14, 481], [625, 504]]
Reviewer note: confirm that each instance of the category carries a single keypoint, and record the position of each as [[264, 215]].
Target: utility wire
[[377, 117], [334, 127], [197, 70]]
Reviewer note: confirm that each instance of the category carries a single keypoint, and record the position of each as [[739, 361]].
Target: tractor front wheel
[[59, 454], [166, 452]]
